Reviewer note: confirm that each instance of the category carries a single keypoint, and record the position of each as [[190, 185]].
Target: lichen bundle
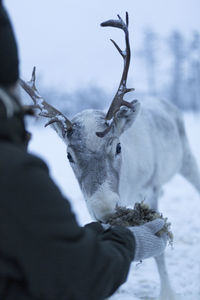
[[139, 215]]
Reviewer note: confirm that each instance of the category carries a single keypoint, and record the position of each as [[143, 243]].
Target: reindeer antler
[[118, 100], [46, 110]]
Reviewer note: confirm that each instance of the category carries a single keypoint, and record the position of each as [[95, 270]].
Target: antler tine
[[46, 110], [118, 100]]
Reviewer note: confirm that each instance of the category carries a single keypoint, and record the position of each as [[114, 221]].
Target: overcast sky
[[64, 41]]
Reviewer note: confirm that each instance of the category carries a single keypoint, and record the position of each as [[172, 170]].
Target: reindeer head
[[93, 138], [96, 161]]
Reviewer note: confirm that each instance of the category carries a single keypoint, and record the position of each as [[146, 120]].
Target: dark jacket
[[44, 254]]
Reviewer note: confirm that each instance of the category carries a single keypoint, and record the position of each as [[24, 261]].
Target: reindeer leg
[[166, 292]]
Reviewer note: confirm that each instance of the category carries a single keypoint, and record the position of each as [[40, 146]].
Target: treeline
[[169, 68], [172, 68]]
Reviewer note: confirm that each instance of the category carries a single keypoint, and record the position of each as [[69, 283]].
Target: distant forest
[[170, 68]]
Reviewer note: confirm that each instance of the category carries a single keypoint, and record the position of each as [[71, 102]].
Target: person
[[44, 253]]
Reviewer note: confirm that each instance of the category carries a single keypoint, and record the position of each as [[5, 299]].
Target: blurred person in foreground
[[44, 253]]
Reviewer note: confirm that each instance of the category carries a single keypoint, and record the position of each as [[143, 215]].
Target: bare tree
[[193, 76], [177, 47]]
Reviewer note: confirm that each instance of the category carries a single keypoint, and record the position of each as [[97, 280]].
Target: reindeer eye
[[70, 157], [118, 149]]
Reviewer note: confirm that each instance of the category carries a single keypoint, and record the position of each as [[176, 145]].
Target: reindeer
[[125, 155]]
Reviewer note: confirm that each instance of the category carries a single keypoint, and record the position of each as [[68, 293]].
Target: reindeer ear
[[126, 116]]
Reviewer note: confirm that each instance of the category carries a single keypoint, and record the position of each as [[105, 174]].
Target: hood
[[9, 61], [12, 128]]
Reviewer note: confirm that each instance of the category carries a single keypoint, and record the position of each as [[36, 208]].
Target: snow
[[180, 203]]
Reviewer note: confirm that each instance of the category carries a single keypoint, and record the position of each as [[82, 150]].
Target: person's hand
[[147, 243]]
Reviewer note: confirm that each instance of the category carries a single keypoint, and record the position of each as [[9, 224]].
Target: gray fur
[[154, 148]]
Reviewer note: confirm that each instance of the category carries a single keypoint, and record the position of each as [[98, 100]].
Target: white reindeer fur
[[149, 157], [154, 148], [102, 201]]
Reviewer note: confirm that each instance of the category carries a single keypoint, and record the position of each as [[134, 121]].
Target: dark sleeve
[[9, 71], [95, 226], [59, 259]]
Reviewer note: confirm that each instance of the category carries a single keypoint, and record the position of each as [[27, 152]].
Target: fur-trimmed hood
[[12, 127]]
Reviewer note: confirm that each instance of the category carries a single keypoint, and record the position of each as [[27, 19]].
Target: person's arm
[[59, 259]]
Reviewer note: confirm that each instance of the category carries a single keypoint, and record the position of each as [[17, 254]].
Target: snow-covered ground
[[180, 203]]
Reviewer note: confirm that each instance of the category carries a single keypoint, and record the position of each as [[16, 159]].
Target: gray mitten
[[147, 243]]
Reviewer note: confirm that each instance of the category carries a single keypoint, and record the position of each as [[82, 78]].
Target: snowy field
[[180, 203]]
